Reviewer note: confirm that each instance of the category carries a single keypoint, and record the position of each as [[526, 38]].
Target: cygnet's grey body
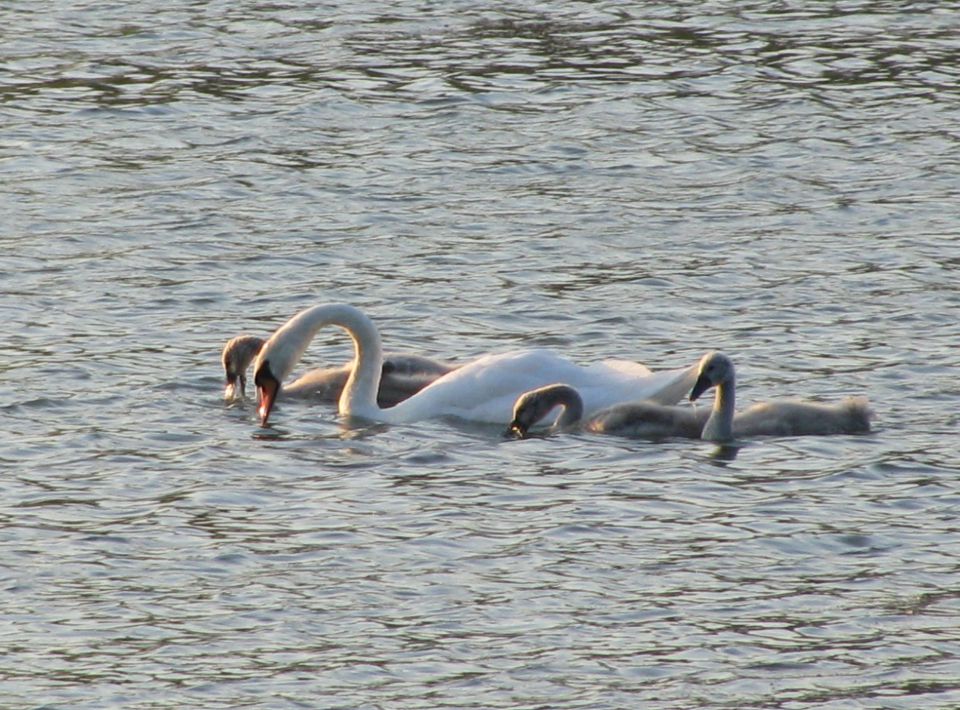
[[645, 420], [403, 374], [777, 418], [721, 423]]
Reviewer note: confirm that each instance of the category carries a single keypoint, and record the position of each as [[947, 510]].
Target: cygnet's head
[[534, 405], [236, 357], [715, 369], [527, 411]]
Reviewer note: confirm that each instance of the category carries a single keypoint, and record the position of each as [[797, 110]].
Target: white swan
[[483, 390], [646, 419], [777, 418], [721, 423], [403, 374]]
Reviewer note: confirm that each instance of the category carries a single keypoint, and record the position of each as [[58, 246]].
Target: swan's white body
[[483, 390]]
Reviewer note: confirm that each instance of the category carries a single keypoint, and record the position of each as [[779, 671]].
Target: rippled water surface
[[633, 180]]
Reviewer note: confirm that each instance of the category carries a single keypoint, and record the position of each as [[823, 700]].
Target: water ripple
[[608, 180]]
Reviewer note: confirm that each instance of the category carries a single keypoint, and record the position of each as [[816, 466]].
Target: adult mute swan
[[403, 374], [646, 419], [483, 390], [778, 418], [721, 423]]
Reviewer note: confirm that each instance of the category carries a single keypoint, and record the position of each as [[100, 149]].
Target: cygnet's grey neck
[[569, 399], [719, 426]]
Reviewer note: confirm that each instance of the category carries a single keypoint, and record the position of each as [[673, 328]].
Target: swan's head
[[715, 369], [276, 361], [236, 357], [534, 405]]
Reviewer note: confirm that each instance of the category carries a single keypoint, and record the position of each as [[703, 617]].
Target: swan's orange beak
[[267, 393]]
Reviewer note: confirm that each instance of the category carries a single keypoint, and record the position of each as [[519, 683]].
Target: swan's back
[[792, 418], [486, 389]]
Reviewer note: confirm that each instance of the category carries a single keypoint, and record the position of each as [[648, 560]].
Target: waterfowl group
[[519, 388]]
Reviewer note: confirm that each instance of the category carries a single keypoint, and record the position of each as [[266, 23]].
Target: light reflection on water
[[605, 180]]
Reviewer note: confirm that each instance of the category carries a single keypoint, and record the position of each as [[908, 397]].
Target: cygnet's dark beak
[[516, 430], [236, 386], [702, 384]]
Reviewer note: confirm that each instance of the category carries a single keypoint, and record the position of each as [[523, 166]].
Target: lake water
[[635, 180]]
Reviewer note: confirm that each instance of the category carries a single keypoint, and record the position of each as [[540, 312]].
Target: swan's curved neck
[[719, 426], [359, 396], [360, 392]]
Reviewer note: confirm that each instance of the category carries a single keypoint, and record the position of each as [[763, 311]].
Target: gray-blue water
[[634, 180]]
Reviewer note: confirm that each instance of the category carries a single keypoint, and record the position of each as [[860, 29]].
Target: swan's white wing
[[626, 367], [664, 387], [485, 390]]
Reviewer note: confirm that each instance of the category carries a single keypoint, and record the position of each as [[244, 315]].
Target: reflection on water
[[725, 452], [607, 180]]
